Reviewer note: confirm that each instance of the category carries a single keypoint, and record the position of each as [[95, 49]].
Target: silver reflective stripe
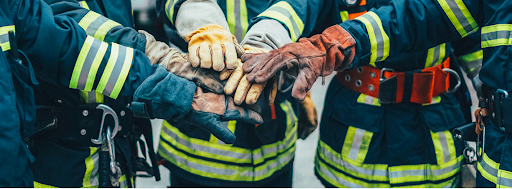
[[197, 147], [435, 56], [378, 35], [200, 167], [4, 38], [280, 161], [500, 34], [338, 179], [89, 61], [91, 96], [94, 173], [239, 32], [423, 172], [347, 165], [444, 145], [288, 15], [116, 72], [95, 25], [460, 16], [275, 149], [369, 100], [356, 143], [505, 181], [487, 168]]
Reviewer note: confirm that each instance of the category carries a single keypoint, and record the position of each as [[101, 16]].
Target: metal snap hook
[[458, 79], [106, 111]]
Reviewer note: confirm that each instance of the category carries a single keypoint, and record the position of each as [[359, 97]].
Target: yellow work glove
[[212, 46], [245, 91], [308, 118]]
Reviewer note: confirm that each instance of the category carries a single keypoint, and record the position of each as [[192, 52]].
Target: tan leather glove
[[245, 91], [155, 50], [308, 118], [212, 46]]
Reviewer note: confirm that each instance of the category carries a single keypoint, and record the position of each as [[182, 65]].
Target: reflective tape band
[[356, 144], [270, 167], [460, 16], [91, 168], [367, 99], [488, 168], [91, 96], [435, 55], [373, 172], [474, 56], [230, 125], [339, 179], [5, 45], [237, 18], [202, 167], [178, 140], [87, 64], [435, 100], [283, 12], [97, 25], [169, 9], [344, 16], [84, 5], [41, 185], [424, 172], [444, 146], [504, 179], [379, 40], [496, 35], [116, 71]]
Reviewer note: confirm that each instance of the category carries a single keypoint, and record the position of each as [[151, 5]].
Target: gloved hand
[[213, 46], [210, 109], [178, 63], [316, 56], [308, 118], [245, 91]]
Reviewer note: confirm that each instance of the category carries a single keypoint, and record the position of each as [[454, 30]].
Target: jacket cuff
[[260, 36]]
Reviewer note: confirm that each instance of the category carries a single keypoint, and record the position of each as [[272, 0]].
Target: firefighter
[[405, 138], [67, 148], [263, 154]]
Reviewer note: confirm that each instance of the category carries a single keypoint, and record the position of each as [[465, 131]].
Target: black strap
[[408, 82]]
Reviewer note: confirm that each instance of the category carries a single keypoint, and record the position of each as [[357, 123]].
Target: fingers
[[213, 124], [242, 90], [225, 74], [233, 81], [254, 93], [239, 113], [231, 55], [261, 67], [303, 83], [194, 55], [205, 55], [218, 57]]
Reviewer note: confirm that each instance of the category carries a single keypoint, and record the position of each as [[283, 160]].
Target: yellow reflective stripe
[[477, 55], [91, 96], [87, 64], [341, 180], [205, 168], [96, 25], [504, 179], [496, 35], [5, 44], [435, 55], [123, 182], [202, 148], [344, 16], [356, 144], [367, 99], [435, 100], [270, 167], [446, 184], [238, 22], [444, 146], [231, 126], [460, 16], [84, 5], [424, 172], [283, 12], [90, 178], [116, 71], [41, 185], [169, 9], [243, 17], [488, 168], [379, 40], [373, 172]]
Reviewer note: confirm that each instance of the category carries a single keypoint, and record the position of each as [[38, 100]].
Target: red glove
[[312, 57]]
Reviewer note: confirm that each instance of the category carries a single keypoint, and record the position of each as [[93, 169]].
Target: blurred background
[[303, 171]]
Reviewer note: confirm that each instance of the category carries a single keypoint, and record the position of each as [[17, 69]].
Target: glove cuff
[[252, 49], [206, 29], [149, 38]]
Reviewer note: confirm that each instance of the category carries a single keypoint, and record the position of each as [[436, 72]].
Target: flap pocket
[[444, 115]]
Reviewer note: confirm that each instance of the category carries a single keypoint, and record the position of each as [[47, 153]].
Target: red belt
[[417, 86]]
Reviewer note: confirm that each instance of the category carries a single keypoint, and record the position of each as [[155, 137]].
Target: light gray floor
[[303, 172]]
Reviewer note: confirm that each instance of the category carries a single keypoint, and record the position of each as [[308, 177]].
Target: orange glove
[[316, 56], [212, 46]]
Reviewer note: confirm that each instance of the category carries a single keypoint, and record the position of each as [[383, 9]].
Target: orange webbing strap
[[412, 86], [352, 16], [273, 111]]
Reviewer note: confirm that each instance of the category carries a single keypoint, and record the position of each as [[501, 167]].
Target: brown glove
[[308, 118], [212, 46], [245, 91], [316, 56], [155, 50]]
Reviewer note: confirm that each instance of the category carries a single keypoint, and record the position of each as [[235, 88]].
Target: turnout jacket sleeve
[[187, 16], [411, 26], [298, 17], [62, 53], [99, 26]]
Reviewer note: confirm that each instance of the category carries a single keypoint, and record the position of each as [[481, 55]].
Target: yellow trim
[[80, 62], [89, 165], [344, 16]]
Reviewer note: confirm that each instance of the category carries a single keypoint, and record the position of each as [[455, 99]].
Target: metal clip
[[114, 168], [382, 77], [106, 111], [453, 72]]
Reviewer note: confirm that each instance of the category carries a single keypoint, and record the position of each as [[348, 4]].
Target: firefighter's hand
[[210, 109], [212, 46], [245, 91], [308, 118]]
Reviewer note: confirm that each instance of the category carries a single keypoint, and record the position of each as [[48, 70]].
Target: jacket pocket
[[444, 115]]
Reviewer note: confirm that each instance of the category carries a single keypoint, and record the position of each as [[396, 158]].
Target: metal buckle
[[453, 72], [382, 77], [106, 111]]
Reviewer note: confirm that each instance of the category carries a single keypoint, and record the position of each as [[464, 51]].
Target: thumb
[[303, 83], [212, 123]]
